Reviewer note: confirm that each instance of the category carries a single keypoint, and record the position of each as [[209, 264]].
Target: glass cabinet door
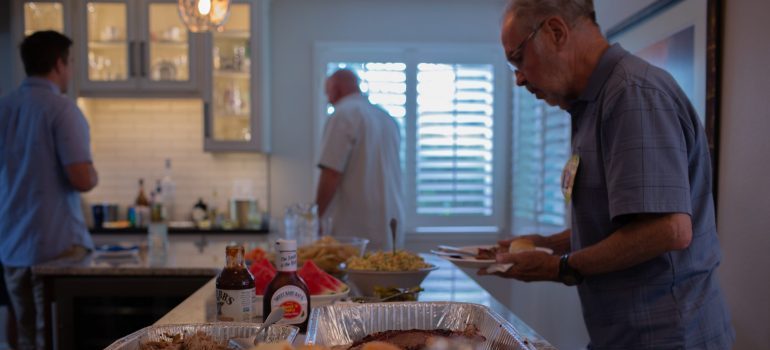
[[169, 47], [108, 42], [231, 112], [43, 16]]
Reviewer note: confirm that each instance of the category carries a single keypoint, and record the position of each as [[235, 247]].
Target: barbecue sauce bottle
[[287, 290], [235, 288]]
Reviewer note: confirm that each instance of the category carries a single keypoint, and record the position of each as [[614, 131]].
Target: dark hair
[[41, 50]]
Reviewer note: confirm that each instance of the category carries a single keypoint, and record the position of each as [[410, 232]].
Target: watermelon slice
[[263, 272], [318, 281]]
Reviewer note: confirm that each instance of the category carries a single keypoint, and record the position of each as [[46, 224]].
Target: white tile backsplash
[[131, 138]]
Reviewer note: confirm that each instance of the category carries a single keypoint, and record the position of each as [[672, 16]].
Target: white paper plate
[[473, 263]]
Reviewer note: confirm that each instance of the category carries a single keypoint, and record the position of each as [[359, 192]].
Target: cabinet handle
[[206, 121], [131, 59], [142, 70]]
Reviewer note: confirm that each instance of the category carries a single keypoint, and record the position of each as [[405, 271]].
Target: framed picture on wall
[[680, 36]]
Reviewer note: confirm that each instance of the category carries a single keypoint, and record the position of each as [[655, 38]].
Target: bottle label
[[293, 300], [235, 304], [287, 261]]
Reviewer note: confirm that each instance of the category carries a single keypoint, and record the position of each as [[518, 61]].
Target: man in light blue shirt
[[45, 162]]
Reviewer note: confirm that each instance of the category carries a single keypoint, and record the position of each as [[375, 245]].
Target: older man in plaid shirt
[[643, 246]]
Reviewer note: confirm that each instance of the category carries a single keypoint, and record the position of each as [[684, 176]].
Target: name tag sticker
[[568, 176]]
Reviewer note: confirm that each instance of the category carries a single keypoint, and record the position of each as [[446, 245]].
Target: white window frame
[[411, 54]]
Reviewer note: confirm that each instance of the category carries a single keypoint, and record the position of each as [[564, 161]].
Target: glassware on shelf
[[43, 16], [107, 46], [232, 84], [217, 58]]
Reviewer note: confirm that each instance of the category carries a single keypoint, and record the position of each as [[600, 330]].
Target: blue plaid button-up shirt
[[643, 149]]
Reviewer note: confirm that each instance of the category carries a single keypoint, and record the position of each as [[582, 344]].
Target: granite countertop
[[184, 258], [448, 283], [178, 230]]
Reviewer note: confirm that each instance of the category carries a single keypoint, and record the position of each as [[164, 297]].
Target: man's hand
[[528, 266]]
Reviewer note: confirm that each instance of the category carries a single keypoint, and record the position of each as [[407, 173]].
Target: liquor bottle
[[287, 290], [235, 288], [141, 199]]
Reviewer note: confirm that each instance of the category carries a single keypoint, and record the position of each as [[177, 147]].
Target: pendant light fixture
[[204, 15]]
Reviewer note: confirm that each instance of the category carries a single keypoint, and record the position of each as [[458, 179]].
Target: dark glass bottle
[[287, 290], [141, 199], [235, 288]]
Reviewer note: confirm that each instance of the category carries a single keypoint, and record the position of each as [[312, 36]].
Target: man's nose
[[521, 80]]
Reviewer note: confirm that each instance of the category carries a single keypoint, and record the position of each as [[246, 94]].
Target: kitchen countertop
[[448, 283], [185, 257], [177, 231]]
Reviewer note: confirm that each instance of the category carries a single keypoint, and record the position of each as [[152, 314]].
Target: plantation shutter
[[454, 139]]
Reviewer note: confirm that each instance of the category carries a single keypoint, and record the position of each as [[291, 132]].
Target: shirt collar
[[350, 98], [602, 72], [40, 82]]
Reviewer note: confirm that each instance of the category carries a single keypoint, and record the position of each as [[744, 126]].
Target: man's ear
[[558, 30], [60, 66]]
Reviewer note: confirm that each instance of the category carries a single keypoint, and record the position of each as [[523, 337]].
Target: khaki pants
[[26, 293]]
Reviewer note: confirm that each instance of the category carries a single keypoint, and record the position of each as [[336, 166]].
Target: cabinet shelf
[[232, 35], [232, 74], [106, 44], [232, 116], [171, 44]]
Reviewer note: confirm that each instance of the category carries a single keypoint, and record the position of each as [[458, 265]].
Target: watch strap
[[567, 274]]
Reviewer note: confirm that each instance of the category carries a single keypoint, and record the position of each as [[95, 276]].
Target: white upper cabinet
[[134, 48]]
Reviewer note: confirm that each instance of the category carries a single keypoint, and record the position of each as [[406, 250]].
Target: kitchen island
[[93, 301], [448, 283]]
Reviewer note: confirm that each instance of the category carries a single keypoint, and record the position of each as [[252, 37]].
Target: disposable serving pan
[[343, 323], [220, 331]]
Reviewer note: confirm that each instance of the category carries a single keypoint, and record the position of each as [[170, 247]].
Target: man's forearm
[[559, 242], [327, 187], [634, 244]]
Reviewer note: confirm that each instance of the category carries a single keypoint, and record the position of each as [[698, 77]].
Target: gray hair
[[535, 10]]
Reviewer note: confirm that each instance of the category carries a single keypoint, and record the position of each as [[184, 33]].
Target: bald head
[[340, 84]]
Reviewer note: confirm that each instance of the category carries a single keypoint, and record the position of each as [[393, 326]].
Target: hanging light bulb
[[204, 15]]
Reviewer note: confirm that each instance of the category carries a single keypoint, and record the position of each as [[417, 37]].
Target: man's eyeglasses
[[516, 57]]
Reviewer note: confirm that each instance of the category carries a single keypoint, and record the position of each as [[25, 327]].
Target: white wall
[[611, 12], [744, 197]]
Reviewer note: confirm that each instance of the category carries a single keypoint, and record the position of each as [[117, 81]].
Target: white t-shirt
[[362, 142]]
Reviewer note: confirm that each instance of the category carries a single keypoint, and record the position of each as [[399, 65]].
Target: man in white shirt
[[360, 184]]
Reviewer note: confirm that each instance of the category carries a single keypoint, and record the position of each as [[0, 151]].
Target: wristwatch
[[567, 274]]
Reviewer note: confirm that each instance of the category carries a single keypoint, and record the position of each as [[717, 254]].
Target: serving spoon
[[261, 334]]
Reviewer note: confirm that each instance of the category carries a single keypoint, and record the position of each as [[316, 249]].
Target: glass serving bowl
[[329, 252]]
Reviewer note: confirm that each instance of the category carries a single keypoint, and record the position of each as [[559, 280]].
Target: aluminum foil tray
[[343, 323], [221, 331]]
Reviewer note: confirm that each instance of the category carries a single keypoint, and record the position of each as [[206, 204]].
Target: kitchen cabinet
[[141, 48], [28, 17], [236, 96], [132, 48]]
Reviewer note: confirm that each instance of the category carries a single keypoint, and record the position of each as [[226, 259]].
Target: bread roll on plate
[[521, 245]]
